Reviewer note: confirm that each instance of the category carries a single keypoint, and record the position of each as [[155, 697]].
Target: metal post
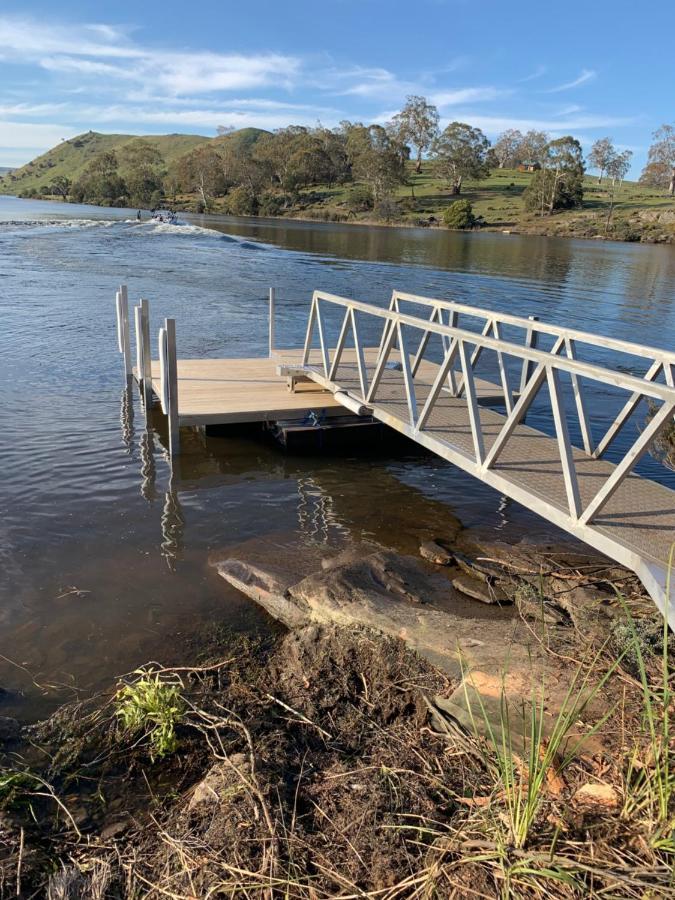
[[531, 340], [146, 357], [172, 385], [126, 340], [272, 335]]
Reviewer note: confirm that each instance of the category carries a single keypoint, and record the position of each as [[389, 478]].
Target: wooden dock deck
[[234, 391]]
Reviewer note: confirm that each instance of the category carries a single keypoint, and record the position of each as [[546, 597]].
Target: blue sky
[[590, 69]]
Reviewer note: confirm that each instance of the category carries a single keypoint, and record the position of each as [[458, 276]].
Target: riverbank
[[632, 213], [331, 761]]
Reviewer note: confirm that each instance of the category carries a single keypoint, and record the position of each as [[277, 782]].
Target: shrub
[[388, 209], [459, 215], [359, 198], [273, 204], [241, 201]]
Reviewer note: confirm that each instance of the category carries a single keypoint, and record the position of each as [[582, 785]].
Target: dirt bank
[[329, 762]]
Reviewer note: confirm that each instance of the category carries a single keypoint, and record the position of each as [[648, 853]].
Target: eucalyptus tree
[[559, 183], [601, 155], [660, 168], [461, 152], [376, 159], [417, 125], [507, 149]]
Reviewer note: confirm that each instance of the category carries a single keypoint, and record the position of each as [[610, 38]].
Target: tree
[[60, 186], [660, 168], [559, 184], [602, 153], [461, 152], [143, 166], [416, 124], [533, 147], [507, 148], [618, 166], [200, 171], [375, 158], [101, 182]]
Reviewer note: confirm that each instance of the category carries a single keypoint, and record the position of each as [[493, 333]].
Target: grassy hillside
[[640, 212], [70, 158], [242, 139]]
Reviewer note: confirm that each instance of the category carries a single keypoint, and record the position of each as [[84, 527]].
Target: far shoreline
[[516, 231]]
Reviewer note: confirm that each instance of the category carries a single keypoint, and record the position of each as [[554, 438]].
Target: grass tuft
[[152, 706]]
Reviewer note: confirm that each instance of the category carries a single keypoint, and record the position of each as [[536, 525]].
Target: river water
[[103, 552]]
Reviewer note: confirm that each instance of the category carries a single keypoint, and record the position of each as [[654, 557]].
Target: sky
[[588, 69]]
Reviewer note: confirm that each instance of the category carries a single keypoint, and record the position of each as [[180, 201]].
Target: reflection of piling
[[314, 513], [127, 418], [173, 527], [148, 467]]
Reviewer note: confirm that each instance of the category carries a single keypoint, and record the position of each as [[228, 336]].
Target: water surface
[[103, 551]]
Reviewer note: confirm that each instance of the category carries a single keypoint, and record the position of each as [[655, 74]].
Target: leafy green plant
[[459, 215], [152, 706]]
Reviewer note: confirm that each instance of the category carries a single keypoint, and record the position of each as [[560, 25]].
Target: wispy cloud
[[443, 99], [538, 72], [492, 125], [584, 76], [106, 52]]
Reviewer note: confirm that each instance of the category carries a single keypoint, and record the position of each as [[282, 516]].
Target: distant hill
[[243, 139], [70, 158], [5, 169]]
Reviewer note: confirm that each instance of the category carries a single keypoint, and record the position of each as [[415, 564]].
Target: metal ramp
[[421, 382]]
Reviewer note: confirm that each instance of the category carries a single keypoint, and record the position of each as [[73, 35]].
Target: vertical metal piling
[[272, 330], [146, 356], [172, 385]]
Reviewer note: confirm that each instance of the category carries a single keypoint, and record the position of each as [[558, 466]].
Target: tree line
[[266, 172]]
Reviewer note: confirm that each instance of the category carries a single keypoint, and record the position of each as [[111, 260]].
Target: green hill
[[243, 139], [70, 158]]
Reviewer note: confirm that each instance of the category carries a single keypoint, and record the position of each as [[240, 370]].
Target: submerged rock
[[481, 590], [433, 552]]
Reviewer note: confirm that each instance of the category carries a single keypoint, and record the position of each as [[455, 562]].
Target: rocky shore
[[469, 720]]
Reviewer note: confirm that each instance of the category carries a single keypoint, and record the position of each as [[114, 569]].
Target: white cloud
[[584, 76], [538, 72], [467, 95], [28, 38], [21, 141], [70, 50], [495, 124]]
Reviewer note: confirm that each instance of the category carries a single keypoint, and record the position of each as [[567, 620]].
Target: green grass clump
[[153, 707]]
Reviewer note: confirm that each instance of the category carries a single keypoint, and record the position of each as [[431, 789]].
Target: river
[[104, 555]]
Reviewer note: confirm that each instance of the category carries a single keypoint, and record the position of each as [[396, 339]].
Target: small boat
[[165, 217]]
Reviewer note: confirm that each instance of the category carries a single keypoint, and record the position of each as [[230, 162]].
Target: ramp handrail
[[532, 323], [456, 345], [660, 360]]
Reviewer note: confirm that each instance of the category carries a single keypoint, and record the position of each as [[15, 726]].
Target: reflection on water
[[104, 546], [173, 526]]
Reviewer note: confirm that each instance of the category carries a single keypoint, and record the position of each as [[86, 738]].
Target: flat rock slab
[[480, 589], [488, 651]]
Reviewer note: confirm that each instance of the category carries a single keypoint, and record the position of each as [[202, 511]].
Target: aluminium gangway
[[421, 381], [415, 371]]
